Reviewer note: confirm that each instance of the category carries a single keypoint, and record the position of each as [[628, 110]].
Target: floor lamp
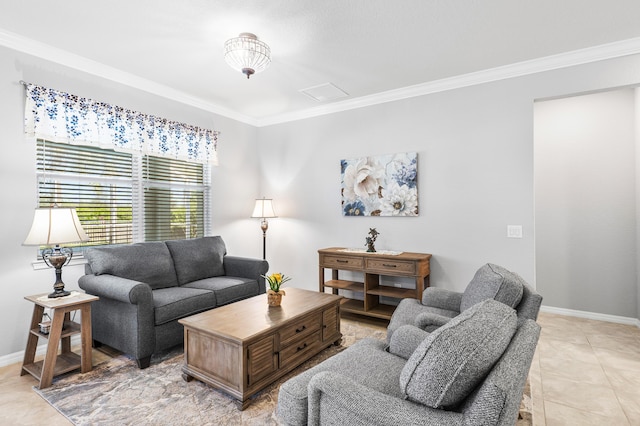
[[264, 209]]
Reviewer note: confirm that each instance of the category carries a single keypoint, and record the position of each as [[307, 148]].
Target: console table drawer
[[393, 266], [290, 353], [339, 262], [298, 329]]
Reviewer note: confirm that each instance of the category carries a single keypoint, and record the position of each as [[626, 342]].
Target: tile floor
[[584, 372]]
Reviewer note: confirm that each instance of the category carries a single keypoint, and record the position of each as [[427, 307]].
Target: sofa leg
[[144, 362]]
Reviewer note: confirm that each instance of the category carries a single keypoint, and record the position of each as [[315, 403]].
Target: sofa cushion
[[178, 302], [197, 258], [148, 263], [228, 289], [451, 361], [493, 282]]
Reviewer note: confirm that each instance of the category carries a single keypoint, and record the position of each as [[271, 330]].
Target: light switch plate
[[514, 231]]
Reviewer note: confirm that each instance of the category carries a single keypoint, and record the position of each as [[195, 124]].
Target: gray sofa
[[145, 288], [470, 371], [439, 305]]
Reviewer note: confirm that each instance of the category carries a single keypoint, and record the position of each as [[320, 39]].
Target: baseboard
[[591, 315], [18, 357]]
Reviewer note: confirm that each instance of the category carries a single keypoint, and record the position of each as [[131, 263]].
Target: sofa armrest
[[442, 298], [337, 400], [246, 267], [429, 321], [117, 288], [405, 340]]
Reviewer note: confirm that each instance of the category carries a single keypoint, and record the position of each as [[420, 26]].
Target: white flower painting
[[384, 185]]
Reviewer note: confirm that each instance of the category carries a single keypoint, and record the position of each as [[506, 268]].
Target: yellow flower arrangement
[[275, 280]]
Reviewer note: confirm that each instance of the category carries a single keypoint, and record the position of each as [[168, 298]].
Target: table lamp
[[57, 226], [264, 209]]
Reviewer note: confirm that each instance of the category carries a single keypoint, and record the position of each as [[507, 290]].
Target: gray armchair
[[471, 371], [438, 306]]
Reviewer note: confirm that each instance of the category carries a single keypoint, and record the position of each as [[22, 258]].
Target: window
[[123, 198]]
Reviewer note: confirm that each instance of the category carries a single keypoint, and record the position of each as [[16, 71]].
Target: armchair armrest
[[442, 298], [117, 288], [429, 321], [405, 340], [338, 400], [247, 267]]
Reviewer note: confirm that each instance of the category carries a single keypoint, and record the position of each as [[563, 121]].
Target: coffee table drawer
[[298, 329], [299, 350]]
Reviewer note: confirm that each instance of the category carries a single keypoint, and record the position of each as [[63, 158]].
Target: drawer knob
[[389, 265], [342, 261], [302, 347], [301, 329]]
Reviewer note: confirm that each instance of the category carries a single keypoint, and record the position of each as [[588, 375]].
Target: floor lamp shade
[[264, 209], [55, 226]]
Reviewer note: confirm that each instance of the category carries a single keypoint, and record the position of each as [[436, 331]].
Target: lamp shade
[[247, 54], [55, 226], [264, 208]]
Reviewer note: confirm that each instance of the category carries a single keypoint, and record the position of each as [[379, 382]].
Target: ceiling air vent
[[324, 92]]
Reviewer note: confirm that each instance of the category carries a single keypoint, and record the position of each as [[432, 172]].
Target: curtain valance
[[63, 117]]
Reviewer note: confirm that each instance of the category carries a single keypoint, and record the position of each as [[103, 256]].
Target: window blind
[[122, 198], [173, 199]]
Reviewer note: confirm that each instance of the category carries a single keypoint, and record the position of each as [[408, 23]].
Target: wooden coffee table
[[245, 346]]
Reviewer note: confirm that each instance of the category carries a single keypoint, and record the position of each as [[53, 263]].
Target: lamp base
[[59, 292], [57, 258]]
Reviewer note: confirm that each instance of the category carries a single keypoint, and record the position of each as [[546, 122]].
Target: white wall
[[637, 180], [585, 192], [475, 148], [235, 181]]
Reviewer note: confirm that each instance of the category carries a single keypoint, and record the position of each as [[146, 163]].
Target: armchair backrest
[[529, 305], [493, 282], [497, 400]]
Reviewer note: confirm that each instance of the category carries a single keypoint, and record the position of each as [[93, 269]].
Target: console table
[[62, 328], [373, 266]]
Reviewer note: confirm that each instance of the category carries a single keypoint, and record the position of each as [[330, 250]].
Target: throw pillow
[[198, 258], [493, 282], [148, 263], [448, 365]]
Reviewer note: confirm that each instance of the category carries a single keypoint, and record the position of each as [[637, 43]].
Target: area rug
[[116, 392]]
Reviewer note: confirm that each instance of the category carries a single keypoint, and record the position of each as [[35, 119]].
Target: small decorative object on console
[[274, 294], [371, 241]]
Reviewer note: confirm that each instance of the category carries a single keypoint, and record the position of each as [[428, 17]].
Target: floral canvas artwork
[[385, 185]]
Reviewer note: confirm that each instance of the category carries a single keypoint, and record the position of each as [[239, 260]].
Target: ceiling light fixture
[[247, 54]]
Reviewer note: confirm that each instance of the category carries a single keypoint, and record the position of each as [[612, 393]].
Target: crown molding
[[44, 51], [548, 63], [519, 69]]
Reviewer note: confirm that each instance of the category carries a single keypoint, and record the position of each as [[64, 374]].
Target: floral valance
[[63, 117]]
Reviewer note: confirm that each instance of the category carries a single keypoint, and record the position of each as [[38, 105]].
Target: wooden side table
[[62, 328]]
